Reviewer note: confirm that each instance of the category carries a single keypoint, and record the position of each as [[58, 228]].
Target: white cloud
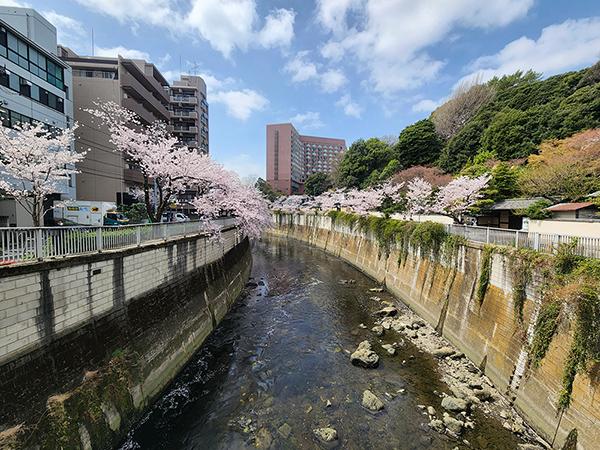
[[240, 103], [124, 52], [391, 38], [303, 69], [70, 32], [154, 12], [214, 84], [332, 80], [278, 30], [426, 105], [349, 107], [14, 3], [560, 47], [309, 121]]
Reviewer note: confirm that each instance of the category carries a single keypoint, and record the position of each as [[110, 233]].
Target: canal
[[278, 367]]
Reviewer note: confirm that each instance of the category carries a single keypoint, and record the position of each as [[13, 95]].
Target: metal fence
[[546, 243], [28, 244]]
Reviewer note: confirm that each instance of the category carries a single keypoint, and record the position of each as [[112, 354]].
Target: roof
[[569, 206], [516, 203]]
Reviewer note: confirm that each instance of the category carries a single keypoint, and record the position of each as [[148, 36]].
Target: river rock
[[454, 404], [364, 356], [388, 311], [530, 447], [453, 424], [263, 438], [389, 348], [378, 330], [363, 326], [326, 434], [371, 402], [376, 290], [431, 410], [442, 352], [417, 323], [437, 425]]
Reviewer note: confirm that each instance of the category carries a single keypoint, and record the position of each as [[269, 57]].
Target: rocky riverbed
[[315, 355]]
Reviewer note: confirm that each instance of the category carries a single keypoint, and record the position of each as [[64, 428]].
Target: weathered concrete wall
[[124, 321], [443, 293]]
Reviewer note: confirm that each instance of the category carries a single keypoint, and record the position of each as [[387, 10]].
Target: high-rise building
[[292, 157], [189, 112], [35, 86], [105, 175]]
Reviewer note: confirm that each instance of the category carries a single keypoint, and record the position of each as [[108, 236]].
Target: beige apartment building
[[137, 85], [189, 112], [292, 157]]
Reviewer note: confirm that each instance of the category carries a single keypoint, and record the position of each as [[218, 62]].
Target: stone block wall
[[443, 293], [152, 306]]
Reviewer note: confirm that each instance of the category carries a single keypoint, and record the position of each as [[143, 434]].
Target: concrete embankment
[[87, 342], [443, 291]]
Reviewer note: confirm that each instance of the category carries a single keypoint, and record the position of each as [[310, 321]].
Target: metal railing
[[30, 244], [546, 243]]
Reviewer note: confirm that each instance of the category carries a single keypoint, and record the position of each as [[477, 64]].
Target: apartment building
[[292, 157], [189, 112], [35, 86], [134, 84]]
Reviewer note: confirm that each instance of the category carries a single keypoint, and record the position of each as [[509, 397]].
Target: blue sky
[[338, 68]]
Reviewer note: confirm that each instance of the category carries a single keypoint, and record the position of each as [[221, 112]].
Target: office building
[[134, 84], [35, 86], [292, 157], [189, 112]]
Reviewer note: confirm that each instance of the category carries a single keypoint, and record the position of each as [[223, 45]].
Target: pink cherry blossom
[[34, 161]]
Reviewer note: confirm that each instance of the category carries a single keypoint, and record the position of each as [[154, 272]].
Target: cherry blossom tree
[[34, 161], [230, 197], [167, 169], [453, 199]]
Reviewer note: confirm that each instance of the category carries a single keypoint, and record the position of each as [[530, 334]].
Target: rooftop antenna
[[92, 41]]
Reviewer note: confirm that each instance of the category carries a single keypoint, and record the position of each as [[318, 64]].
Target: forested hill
[[506, 118]]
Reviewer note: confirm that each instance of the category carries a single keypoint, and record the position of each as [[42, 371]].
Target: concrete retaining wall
[[125, 322], [443, 293]]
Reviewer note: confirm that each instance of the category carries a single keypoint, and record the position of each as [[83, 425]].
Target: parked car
[[174, 217], [115, 218]]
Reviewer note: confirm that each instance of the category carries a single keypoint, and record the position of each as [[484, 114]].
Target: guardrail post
[[164, 229], [536, 242], [517, 239], [99, 239], [39, 244], [487, 235], [138, 236]]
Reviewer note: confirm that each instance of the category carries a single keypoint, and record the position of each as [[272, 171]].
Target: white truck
[[80, 212]]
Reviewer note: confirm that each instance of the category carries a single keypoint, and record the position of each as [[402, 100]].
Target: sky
[[338, 68]]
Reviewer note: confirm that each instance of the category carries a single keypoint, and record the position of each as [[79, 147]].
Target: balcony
[[187, 99], [185, 129], [139, 93], [185, 114]]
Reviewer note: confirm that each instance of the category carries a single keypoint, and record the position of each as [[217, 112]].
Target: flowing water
[[280, 357]]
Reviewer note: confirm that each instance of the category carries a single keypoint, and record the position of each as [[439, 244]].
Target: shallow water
[[282, 353]]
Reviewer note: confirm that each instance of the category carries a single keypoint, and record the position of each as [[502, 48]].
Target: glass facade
[[27, 57], [27, 89]]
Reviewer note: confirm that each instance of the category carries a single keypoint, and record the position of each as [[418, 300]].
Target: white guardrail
[[30, 244], [546, 243]]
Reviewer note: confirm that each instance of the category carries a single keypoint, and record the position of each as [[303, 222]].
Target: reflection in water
[[278, 366]]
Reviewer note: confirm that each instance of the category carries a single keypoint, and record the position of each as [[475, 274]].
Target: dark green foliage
[[566, 259], [136, 213], [317, 183], [484, 276], [418, 144], [521, 267], [361, 159], [537, 211], [428, 237], [590, 77], [266, 190], [524, 112], [545, 328]]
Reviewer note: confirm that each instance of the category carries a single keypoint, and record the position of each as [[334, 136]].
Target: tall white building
[[35, 85]]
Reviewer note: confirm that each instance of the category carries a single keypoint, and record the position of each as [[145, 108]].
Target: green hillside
[[507, 117]]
